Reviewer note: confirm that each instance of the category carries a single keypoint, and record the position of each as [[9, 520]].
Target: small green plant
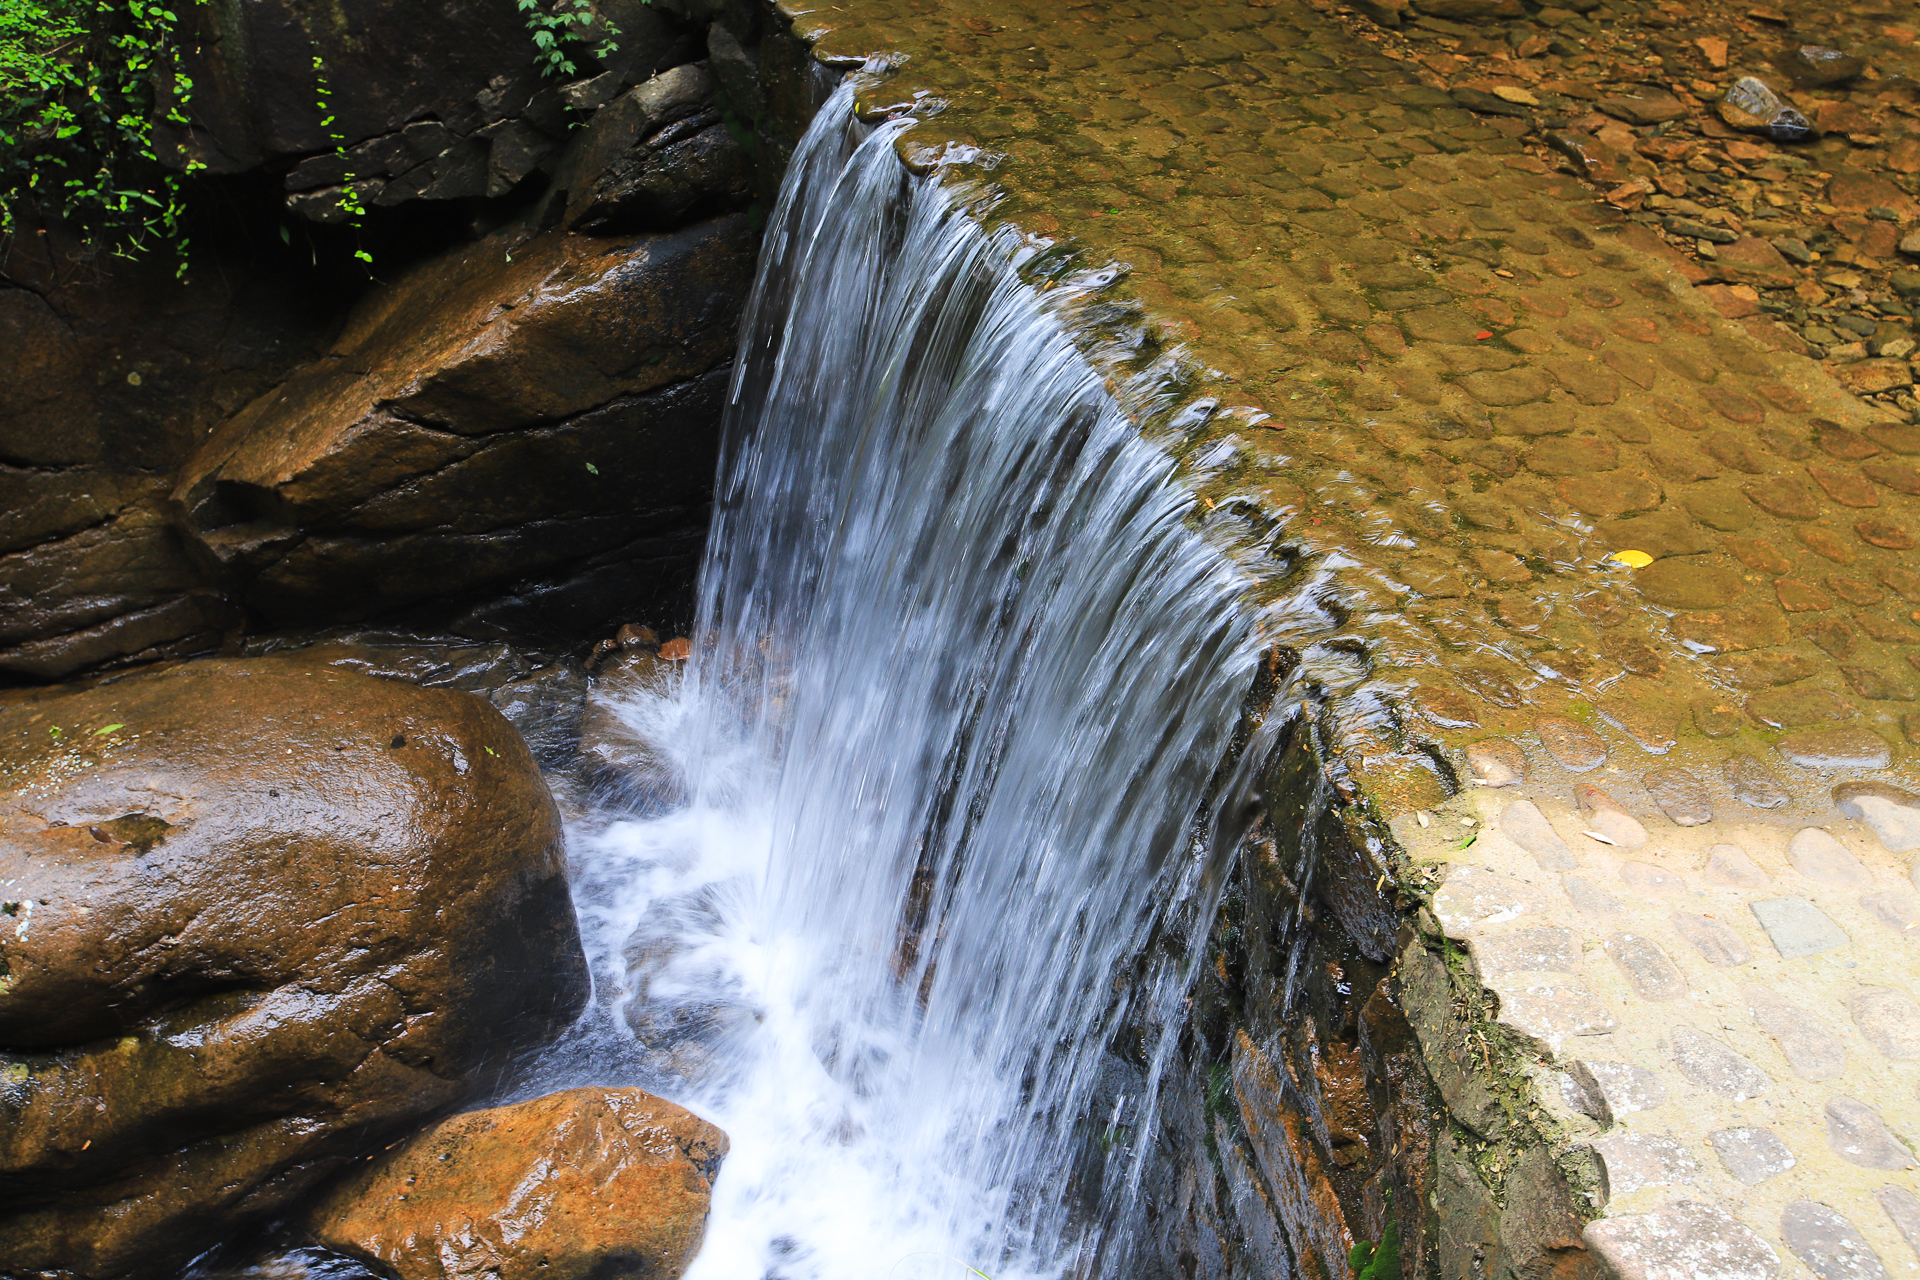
[[329, 121], [83, 86], [1378, 1262], [562, 23]]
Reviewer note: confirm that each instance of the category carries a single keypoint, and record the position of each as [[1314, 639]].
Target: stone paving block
[[1899, 911], [1474, 898], [1889, 1019], [1497, 762], [1816, 855], [1903, 1208], [1797, 927], [1551, 1010], [1835, 749], [1575, 746], [1613, 1089], [1548, 949], [1523, 822], [1753, 783], [1647, 880], [1713, 1066], [1714, 939], [1832, 1247], [1859, 1136], [1891, 812], [1681, 795], [1636, 1161], [1607, 819], [1684, 1240], [1813, 1052], [1589, 899], [1648, 970], [1751, 1154], [1729, 867]]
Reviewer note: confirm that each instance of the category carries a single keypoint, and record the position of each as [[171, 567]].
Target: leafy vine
[[83, 85]]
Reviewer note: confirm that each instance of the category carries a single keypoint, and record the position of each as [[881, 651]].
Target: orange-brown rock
[[589, 1184], [262, 914]]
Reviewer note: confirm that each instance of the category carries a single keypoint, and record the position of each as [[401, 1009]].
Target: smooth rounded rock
[[580, 1185], [1835, 749], [1690, 582], [1831, 1246], [1608, 818], [1892, 812], [1859, 1136], [1889, 1020], [1681, 795], [1816, 855], [1711, 1065], [263, 914], [1575, 746], [1497, 762]]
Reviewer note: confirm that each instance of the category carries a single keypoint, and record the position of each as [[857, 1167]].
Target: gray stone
[[1797, 927], [1835, 749], [1893, 813], [1682, 796], [1832, 1247], [1608, 820], [1497, 762], [1751, 1154], [1545, 949], [1899, 911], [1713, 1066], [1714, 939], [1685, 1240], [1812, 1051], [1753, 783], [1474, 898], [1610, 1090], [1575, 746], [1635, 1161], [1551, 1010], [1529, 828], [1816, 855], [1729, 867], [1889, 1020], [1588, 899], [1904, 1208], [1859, 1136], [1645, 878], [1646, 967]]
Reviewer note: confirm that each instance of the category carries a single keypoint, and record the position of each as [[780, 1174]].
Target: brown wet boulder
[[589, 1184], [503, 411], [262, 915]]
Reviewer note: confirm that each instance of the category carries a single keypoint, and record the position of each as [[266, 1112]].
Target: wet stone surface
[[1447, 318]]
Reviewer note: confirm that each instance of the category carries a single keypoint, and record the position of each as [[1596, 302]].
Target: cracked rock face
[[261, 915], [497, 412]]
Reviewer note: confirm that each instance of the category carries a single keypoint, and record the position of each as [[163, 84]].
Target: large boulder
[[499, 412], [589, 1184], [263, 916]]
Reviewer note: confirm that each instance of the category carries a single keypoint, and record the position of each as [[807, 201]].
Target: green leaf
[[109, 728], [592, 468]]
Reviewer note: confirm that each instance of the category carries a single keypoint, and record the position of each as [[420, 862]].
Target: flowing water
[[903, 909]]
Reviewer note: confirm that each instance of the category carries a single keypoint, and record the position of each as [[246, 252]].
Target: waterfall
[[905, 913]]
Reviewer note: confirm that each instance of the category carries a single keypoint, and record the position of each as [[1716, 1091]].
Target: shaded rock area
[[589, 1183], [263, 915], [503, 427], [1339, 1073]]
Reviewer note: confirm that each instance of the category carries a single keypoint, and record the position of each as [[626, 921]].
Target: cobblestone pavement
[[1438, 387]]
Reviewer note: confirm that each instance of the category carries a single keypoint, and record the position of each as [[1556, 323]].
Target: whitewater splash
[[909, 930]]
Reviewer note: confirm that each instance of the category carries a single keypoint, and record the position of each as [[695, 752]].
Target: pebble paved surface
[[1431, 378]]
